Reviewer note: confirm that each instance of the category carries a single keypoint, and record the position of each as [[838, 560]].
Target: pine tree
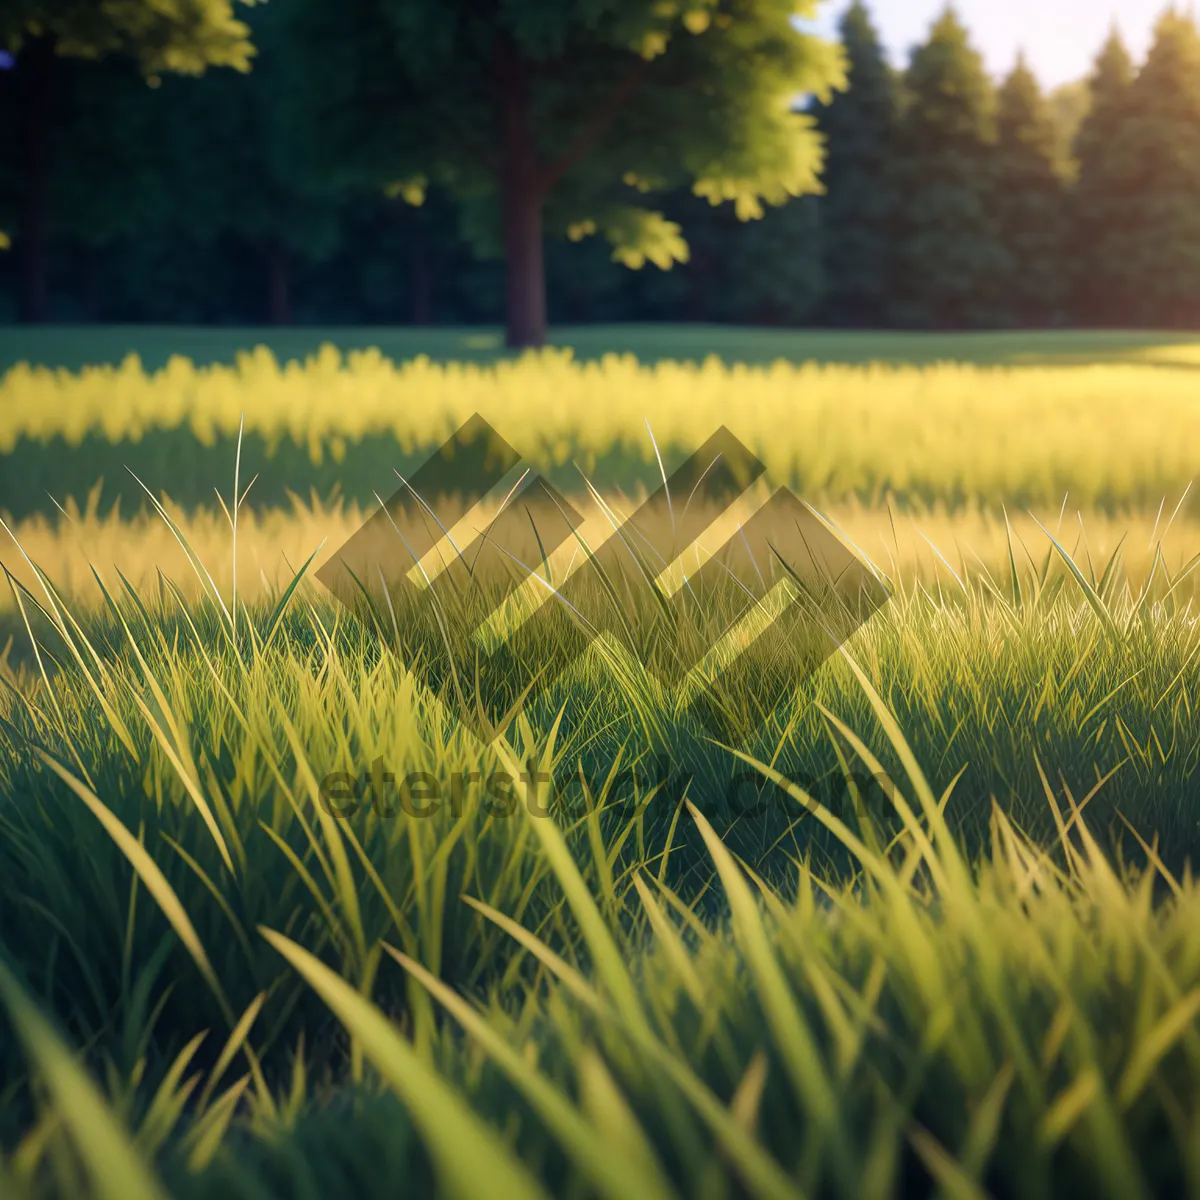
[[1103, 201], [1069, 104], [858, 209], [949, 256], [1029, 203], [1157, 153]]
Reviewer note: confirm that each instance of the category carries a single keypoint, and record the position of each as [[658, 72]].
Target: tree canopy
[[1105, 196], [182, 37], [1156, 151], [562, 120]]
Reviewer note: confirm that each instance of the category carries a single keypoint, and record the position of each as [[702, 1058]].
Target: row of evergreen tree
[[949, 202]]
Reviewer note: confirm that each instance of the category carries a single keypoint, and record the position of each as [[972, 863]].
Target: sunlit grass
[[929, 996], [952, 949], [929, 545], [1113, 435]]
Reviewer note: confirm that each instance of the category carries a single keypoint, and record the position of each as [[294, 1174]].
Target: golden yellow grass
[[927, 546], [1108, 434]]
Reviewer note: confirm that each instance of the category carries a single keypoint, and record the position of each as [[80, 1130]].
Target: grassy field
[[75, 347], [921, 921], [931, 547], [1112, 436], [901, 959]]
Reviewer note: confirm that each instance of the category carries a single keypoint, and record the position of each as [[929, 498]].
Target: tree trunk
[[521, 205], [525, 285], [279, 298], [35, 69]]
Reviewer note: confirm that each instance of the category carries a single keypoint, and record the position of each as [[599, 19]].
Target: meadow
[[1107, 435], [950, 949]]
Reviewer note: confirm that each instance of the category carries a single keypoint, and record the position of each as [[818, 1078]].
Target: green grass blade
[[151, 875], [470, 1159], [116, 1170]]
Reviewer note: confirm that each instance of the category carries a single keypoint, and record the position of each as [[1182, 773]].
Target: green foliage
[[1030, 206], [859, 209], [1105, 197], [182, 37], [637, 235], [1069, 105], [569, 116], [235, 168], [613, 88], [778, 276], [949, 258], [774, 277], [377, 196], [107, 180], [1156, 153]]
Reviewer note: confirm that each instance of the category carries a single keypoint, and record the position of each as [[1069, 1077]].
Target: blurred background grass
[[1115, 431], [75, 346]]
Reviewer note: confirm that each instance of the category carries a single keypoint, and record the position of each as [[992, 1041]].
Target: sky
[[1060, 37]]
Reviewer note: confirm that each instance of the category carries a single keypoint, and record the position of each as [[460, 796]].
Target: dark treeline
[[950, 202]]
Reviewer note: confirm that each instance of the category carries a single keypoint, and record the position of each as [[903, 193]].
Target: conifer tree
[[1156, 154], [1029, 203], [1103, 202], [858, 209], [1069, 104], [949, 256]]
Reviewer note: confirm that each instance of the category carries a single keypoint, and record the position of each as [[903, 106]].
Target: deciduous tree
[[549, 120]]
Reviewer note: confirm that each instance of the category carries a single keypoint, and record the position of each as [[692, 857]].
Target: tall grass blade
[[116, 1170], [470, 1159]]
